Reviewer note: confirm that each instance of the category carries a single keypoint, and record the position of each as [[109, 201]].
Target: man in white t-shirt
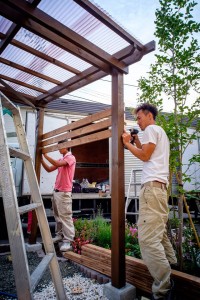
[[153, 150]]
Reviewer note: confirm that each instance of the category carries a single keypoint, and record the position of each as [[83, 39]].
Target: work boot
[[169, 295]]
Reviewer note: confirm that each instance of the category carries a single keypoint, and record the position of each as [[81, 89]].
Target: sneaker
[[66, 246]]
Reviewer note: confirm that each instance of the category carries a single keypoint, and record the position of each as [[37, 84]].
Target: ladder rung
[[132, 213], [29, 207], [18, 153], [41, 268]]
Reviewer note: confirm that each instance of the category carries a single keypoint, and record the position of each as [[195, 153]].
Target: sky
[[137, 16]]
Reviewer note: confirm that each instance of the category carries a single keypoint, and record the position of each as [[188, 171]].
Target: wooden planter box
[[137, 274]]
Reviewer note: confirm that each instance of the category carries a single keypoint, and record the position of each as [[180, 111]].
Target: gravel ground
[[76, 284]]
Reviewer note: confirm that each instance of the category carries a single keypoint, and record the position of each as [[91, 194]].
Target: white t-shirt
[[157, 167]]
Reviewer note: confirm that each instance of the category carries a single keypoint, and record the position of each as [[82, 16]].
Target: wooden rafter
[[44, 56], [92, 74], [17, 95], [30, 86], [105, 19], [14, 28], [40, 23], [29, 71]]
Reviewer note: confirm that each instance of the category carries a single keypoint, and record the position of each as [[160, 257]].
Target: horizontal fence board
[[83, 122], [78, 132], [80, 141]]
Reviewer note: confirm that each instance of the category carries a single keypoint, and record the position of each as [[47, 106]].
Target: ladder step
[[29, 207], [18, 153], [41, 268]]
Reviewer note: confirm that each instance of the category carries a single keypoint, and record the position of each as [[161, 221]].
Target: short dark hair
[[62, 141], [147, 107]]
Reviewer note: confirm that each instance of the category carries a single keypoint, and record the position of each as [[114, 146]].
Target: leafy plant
[[98, 232], [131, 241], [175, 77], [102, 233]]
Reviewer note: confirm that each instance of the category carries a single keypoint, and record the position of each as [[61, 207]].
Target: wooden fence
[[87, 130], [99, 259]]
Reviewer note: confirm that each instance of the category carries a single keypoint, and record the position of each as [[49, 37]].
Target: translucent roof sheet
[[59, 46]]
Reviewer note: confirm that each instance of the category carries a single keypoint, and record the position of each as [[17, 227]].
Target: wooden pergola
[[51, 48]]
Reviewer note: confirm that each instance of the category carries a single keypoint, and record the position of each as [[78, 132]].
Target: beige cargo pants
[[156, 249], [62, 208]]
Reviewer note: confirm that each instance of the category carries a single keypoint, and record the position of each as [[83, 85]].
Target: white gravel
[[76, 287]]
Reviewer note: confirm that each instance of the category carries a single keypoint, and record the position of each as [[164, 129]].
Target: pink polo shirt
[[66, 174]]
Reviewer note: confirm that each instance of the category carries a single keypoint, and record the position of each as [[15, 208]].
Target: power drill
[[132, 132]]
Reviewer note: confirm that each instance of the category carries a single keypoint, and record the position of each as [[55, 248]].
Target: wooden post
[[38, 155], [117, 184]]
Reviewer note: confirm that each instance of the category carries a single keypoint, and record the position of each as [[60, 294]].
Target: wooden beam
[[69, 46], [30, 86], [18, 95], [36, 17], [130, 55], [78, 132], [80, 141], [27, 70], [14, 28], [44, 56], [13, 97], [105, 19], [78, 124], [71, 84], [117, 184]]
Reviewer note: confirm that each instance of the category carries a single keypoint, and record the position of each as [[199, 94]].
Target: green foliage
[[175, 76], [174, 222], [191, 252], [98, 232], [131, 241], [102, 233]]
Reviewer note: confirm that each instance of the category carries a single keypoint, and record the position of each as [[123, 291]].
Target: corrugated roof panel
[[76, 18], [25, 77], [35, 63], [74, 61], [50, 49], [23, 89], [4, 24]]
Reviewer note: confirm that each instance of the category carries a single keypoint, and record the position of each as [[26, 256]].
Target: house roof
[[51, 48], [83, 108]]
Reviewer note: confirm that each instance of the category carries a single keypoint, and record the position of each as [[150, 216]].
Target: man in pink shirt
[[62, 195]]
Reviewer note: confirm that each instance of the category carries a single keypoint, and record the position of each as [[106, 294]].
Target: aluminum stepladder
[[133, 193], [25, 282]]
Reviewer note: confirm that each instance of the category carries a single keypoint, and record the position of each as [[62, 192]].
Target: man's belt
[[155, 183], [58, 191]]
